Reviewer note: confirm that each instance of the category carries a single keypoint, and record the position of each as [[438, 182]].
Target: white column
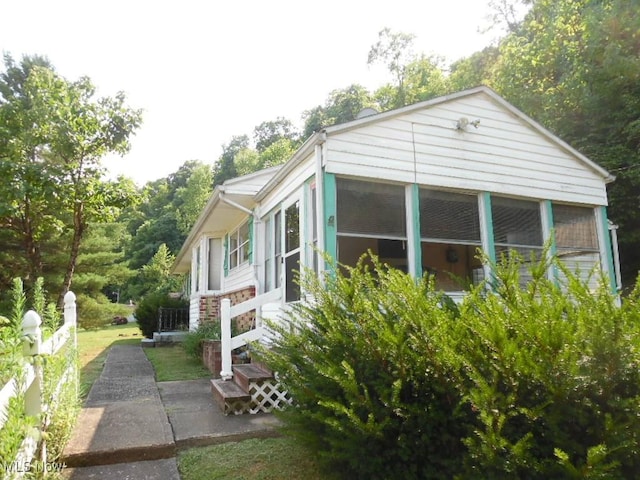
[[225, 334]]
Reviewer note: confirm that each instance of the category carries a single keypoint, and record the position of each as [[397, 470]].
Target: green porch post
[[486, 226], [329, 199], [486, 232], [415, 219], [606, 251], [549, 236]]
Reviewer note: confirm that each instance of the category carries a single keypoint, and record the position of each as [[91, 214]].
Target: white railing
[[227, 312], [31, 381]]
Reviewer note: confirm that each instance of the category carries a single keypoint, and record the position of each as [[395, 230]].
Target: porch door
[[291, 258]]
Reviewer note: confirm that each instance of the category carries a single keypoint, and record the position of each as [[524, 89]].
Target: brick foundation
[[211, 356], [210, 308]]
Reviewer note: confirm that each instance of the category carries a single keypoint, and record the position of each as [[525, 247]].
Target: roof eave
[[300, 154]]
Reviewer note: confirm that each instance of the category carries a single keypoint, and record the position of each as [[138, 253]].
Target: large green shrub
[[147, 310], [374, 382], [533, 382], [553, 372]]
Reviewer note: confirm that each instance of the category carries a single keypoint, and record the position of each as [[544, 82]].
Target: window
[[292, 251], [371, 216], [450, 237], [277, 240], [313, 228], [215, 267], [517, 227], [268, 252], [273, 251], [576, 238], [197, 270], [239, 246]]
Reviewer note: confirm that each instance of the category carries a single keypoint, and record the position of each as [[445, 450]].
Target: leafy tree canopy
[[54, 134]]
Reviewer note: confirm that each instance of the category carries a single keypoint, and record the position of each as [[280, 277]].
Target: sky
[[206, 70]]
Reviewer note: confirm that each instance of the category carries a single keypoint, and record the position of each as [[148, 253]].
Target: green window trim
[[330, 215], [549, 236], [487, 225], [417, 249], [251, 237], [486, 234], [226, 255], [607, 249]]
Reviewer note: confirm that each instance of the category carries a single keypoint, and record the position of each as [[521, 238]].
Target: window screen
[[516, 222], [449, 216], [577, 241], [575, 227], [367, 208]]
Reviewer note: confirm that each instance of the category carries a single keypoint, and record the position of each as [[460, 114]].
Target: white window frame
[[241, 248], [286, 254]]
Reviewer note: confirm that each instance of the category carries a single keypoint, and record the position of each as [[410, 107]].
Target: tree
[[101, 273], [268, 133], [423, 79], [342, 105], [246, 161], [278, 152], [224, 169], [29, 197], [475, 70], [505, 13], [55, 136], [193, 196], [395, 51]]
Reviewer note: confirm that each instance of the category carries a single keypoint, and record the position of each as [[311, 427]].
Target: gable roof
[[320, 136]]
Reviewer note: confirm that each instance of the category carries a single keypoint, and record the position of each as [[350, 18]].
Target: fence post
[[225, 337], [31, 347], [71, 319], [70, 315]]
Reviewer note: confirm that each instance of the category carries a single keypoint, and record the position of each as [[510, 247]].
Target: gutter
[[224, 199]]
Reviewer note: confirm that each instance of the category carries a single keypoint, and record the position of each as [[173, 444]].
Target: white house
[[422, 187]]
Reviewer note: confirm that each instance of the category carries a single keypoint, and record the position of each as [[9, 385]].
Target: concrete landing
[[131, 427], [197, 420]]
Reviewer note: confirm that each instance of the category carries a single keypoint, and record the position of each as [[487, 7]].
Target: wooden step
[[229, 396], [245, 374]]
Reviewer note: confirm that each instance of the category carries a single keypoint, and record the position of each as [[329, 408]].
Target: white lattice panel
[[268, 395]]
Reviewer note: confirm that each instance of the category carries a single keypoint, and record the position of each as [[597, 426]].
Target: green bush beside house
[[147, 310], [539, 381]]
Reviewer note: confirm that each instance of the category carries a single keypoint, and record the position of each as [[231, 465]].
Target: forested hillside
[[572, 65]]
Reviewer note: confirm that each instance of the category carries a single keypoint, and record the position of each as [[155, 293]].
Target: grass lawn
[[170, 363], [173, 363], [256, 459]]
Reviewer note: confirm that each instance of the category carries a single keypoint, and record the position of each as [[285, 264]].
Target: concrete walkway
[[131, 427]]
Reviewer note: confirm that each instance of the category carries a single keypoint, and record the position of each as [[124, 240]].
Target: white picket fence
[[32, 380]]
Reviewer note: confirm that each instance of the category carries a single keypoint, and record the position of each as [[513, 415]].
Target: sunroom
[[420, 229]]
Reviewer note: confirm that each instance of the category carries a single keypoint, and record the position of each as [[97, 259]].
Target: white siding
[[238, 278], [503, 155], [194, 311], [294, 180]]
